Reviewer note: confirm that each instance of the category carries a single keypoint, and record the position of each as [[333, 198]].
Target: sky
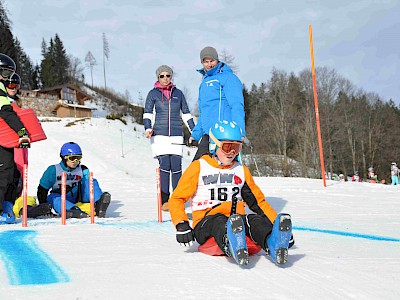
[[359, 39], [347, 235]]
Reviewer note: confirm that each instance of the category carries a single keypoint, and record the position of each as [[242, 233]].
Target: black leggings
[[257, 228], [7, 166]]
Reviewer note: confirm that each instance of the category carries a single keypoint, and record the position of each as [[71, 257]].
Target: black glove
[[42, 194], [193, 143], [24, 140], [184, 234]]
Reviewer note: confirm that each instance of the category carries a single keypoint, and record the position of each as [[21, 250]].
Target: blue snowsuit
[[77, 186]]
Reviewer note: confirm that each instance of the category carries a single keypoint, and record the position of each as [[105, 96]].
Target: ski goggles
[[6, 73], [13, 85], [228, 147], [74, 158]]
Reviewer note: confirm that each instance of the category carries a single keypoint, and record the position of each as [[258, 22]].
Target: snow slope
[[340, 252]]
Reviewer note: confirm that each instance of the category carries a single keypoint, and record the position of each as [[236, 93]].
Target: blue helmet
[[224, 131], [70, 148], [356, 172]]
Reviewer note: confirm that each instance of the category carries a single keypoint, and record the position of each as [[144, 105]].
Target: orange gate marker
[[25, 195], [63, 198], [321, 151], [91, 191], [159, 195]]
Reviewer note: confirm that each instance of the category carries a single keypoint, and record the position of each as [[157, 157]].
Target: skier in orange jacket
[[211, 183]]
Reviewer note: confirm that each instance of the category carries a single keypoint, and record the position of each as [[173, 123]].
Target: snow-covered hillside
[[347, 235]]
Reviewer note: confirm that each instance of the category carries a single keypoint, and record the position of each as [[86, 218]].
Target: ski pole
[[63, 198], [25, 195], [91, 192], [159, 204]]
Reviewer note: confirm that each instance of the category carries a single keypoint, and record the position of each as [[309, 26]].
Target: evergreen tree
[[24, 67], [12, 47], [6, 38], [55, 64], [61, 61]]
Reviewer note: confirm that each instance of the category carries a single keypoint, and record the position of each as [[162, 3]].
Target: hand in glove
[[192, 143], [24, 140], [184, 234]]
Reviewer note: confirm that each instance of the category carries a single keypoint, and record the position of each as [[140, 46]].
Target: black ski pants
[[257, 228], [7, 166]]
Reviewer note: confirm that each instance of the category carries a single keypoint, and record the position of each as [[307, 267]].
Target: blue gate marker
[[350, 234], [25, 262]]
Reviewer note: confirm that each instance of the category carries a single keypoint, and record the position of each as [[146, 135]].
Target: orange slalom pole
[[25, 196], [63, 198], [321, 151], [159, 195], [91, 191]]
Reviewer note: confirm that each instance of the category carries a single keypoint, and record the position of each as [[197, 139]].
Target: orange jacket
[[187, 187]]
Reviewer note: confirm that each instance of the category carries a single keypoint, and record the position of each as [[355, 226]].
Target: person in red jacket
[[211, 183]]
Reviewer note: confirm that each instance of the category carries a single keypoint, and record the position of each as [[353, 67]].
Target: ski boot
[[101, 205], [237, 239], [278, 241], [7, 216], [75, 212], [42, 209]]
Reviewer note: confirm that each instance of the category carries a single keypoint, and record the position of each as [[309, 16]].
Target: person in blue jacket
[[77, 185], [220, 98], [164, 128]]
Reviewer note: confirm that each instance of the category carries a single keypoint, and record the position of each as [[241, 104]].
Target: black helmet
[[14, 79], [7, 66]]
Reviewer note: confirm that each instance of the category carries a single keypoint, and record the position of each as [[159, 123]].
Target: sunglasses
[[74, 158], [6, 73], [13, 86], [228, 147], [162, 76]]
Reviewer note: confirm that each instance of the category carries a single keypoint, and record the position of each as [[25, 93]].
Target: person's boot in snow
[[75, 212], [100, 207], [278, 241]]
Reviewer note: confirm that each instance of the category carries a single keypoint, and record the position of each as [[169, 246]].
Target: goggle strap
[[215, 140]]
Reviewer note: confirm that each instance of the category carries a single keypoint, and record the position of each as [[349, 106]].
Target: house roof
[[55, 89]]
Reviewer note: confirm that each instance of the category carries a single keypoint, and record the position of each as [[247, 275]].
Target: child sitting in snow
[[77, 186], [210, 183], [356, 177], [372, 177]]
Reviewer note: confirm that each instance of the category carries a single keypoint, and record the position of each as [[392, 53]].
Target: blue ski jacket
[[220, 98], [74, 190]]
